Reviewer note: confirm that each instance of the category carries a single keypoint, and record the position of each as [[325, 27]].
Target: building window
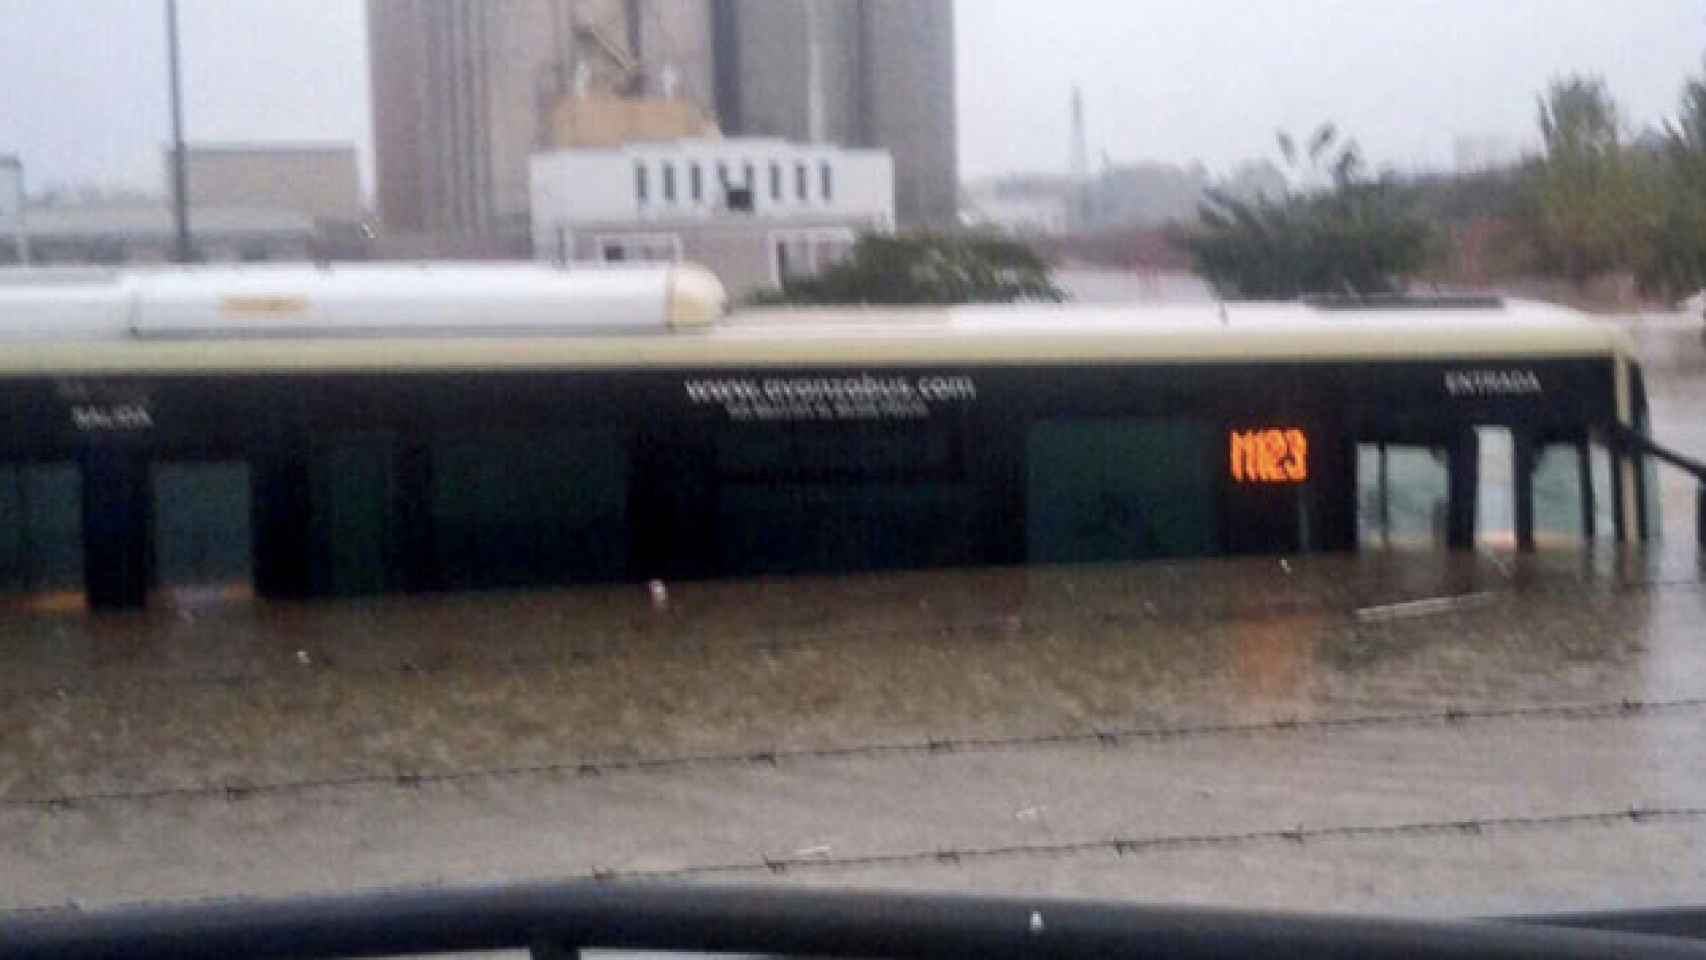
[[642, 182], [723, 175], [696, 182], [806, 253], [775, 182], [750, 179], [826, 181], [669, 183], [802, 182], [639, 248]]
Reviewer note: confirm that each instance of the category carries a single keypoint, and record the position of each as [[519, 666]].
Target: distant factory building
[[464, 91], [247, 202], [861, 73], [317, 180], [143, 233], [1025, 206], [755, 211]]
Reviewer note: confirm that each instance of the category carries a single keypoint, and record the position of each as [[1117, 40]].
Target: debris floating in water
[[1424, 608]]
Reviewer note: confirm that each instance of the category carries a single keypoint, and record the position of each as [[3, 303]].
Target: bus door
[[1403, 494], [1489, 485], [1417, 487], [1541, 488]]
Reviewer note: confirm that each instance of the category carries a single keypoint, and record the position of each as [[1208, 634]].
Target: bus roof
[[402, 318]]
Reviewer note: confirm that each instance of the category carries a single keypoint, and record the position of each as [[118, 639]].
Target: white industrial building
[[755, 211], [1036, 205], [143, 233], [1021, 214]]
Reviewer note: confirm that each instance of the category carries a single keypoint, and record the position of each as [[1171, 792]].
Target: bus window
[[352, 502], [816, 496], [1564, 476], [1604, 507], [516, 509], [1118, 490], [1495, 496], [1572, 492], [1647, 473], [1558, 493], [41, 528], [1403, 491]]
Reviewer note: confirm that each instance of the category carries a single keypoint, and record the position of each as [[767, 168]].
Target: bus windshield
[[1183, 454]]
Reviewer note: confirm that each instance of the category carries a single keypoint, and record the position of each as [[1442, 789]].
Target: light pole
[[11, 168], [180, 194]]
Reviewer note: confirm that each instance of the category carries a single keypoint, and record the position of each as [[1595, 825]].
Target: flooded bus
[[320, 432]]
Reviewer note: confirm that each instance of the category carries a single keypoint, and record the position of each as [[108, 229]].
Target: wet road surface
[[1238, 731]]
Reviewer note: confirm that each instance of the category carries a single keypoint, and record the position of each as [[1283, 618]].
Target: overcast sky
[[82, 95], [83, 88]]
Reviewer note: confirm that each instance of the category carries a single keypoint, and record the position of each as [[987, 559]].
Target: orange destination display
[[1270, 455]]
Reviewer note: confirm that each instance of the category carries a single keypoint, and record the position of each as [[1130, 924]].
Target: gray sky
[[84, 89], [1178, 80]]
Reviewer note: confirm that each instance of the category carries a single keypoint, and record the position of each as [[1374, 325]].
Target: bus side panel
[[365, 483]]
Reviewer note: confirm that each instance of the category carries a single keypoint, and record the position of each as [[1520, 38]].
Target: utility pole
[[13, 169], [180, 186], [815, 129], [1080, 160], [1080, 163]]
